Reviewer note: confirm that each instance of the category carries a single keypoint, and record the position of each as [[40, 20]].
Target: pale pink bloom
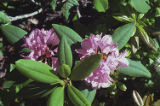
[[42, 45], [100, 78]]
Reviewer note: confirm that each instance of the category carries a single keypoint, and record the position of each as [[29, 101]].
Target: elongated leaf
[[122, 34], [64, 52], [37, 71], [7, 84], [12, 33], [140, 5], [89, 94], [4, 18], [136, 69], [137, 98], [101, 5], [123, 18], [85, 67], [57, 97], [71, 35], [76, 97], [67, 6], [146, 39], [53, 4], [35, 90]]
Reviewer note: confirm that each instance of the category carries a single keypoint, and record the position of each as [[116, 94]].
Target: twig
[[25, 15], [78, 12], [34, 2]]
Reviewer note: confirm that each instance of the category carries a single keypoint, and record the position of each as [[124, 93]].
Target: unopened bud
[[64, 70]]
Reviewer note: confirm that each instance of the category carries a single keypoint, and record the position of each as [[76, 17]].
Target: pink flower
[[42, 45], [100, 78]]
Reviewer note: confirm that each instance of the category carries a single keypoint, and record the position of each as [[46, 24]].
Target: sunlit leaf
[[122, 34], [146, 39], [136, 69], [12, 33], [140, 5], [57, 97], [37, 71], [4, 18], [101, 5], [70, 34], [123, 18], [137, 98]]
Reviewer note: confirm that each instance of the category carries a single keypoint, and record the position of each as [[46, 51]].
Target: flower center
[[104, 56]]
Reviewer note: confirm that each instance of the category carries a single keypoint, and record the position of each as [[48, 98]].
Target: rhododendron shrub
[[42, 44], [112, 59]]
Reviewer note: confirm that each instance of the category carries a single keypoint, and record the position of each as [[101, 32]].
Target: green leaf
[[64, 52], [135, 69], [67, 6], [53, 4], [12, 33], [71, 35], [4, 18], [85, 67], [76, 97], [1, 49], [35, 90], [122, 34], [37, 71], [157, 12], [123, 18], [7, 84], [64, 70], [89, 94], [101, 5], [57, 97], [140, 5], [146, 39], [12, 67]]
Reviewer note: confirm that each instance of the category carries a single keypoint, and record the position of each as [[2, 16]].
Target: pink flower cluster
[[42, 45], [100, 78]]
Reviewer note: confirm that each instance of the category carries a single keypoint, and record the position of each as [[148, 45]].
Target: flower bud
[[64, 70]]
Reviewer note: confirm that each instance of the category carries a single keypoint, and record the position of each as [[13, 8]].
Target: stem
[[25, 15]]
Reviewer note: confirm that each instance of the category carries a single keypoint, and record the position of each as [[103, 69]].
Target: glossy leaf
[[4, 18], [85, 67], [122, 34], [136, 69], [37, 71], [101, 5], [12, 33], [64, 52], [123, 18], [140, 5], [76, 97], [135, 44], [64, 70], [57, 97], [146, 39], [137, 98], [71, 35]]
